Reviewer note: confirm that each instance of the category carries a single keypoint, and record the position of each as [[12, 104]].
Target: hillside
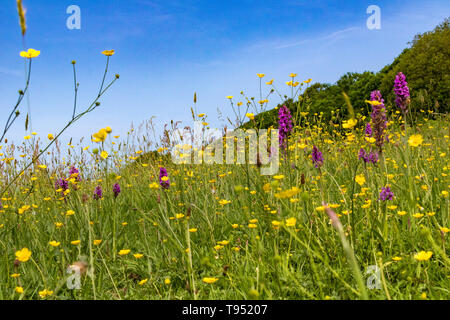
[[426, 64]]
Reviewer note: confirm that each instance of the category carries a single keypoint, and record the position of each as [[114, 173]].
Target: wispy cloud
[[10, 72], [331, 36]]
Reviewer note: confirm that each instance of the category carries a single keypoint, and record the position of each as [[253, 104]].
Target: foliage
[[426, 65]]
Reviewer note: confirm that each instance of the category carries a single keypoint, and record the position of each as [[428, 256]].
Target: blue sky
[[167, 50]]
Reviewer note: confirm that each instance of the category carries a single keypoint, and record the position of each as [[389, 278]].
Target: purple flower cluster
[[317, 157], [386, 194], [285, 125], [368, 130], [163, 173], [116, 190], [401, 91], [62, 184], [368, 156], [98, 193], [379, 121]]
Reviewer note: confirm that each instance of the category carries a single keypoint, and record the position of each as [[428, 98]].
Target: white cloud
[[10, 72], [330, 36]]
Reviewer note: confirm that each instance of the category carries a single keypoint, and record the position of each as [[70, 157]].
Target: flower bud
[[253, 294]]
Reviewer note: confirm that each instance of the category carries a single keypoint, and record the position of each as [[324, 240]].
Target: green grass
[[307, 261]]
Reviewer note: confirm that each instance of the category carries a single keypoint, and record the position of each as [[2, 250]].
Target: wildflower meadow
[[357, 206]]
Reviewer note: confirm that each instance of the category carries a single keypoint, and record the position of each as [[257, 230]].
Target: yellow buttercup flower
[[54, 243], [142, 282], [75, 242], [415, 140], [138, 255], [44, 293], [373, 103], [224, 202], [23, 255], [349, 123], [124, 252], [360, 179], [108, 53], [104, 154], [260, 75], [209, 280], [100, 136], [31, 53], [154, 185], [291, 222], [423, 256]]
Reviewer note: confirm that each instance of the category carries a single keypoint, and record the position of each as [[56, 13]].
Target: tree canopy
[[426, 64]]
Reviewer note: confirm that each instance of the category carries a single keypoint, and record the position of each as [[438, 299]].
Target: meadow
[[358, 209], [335, 222]]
